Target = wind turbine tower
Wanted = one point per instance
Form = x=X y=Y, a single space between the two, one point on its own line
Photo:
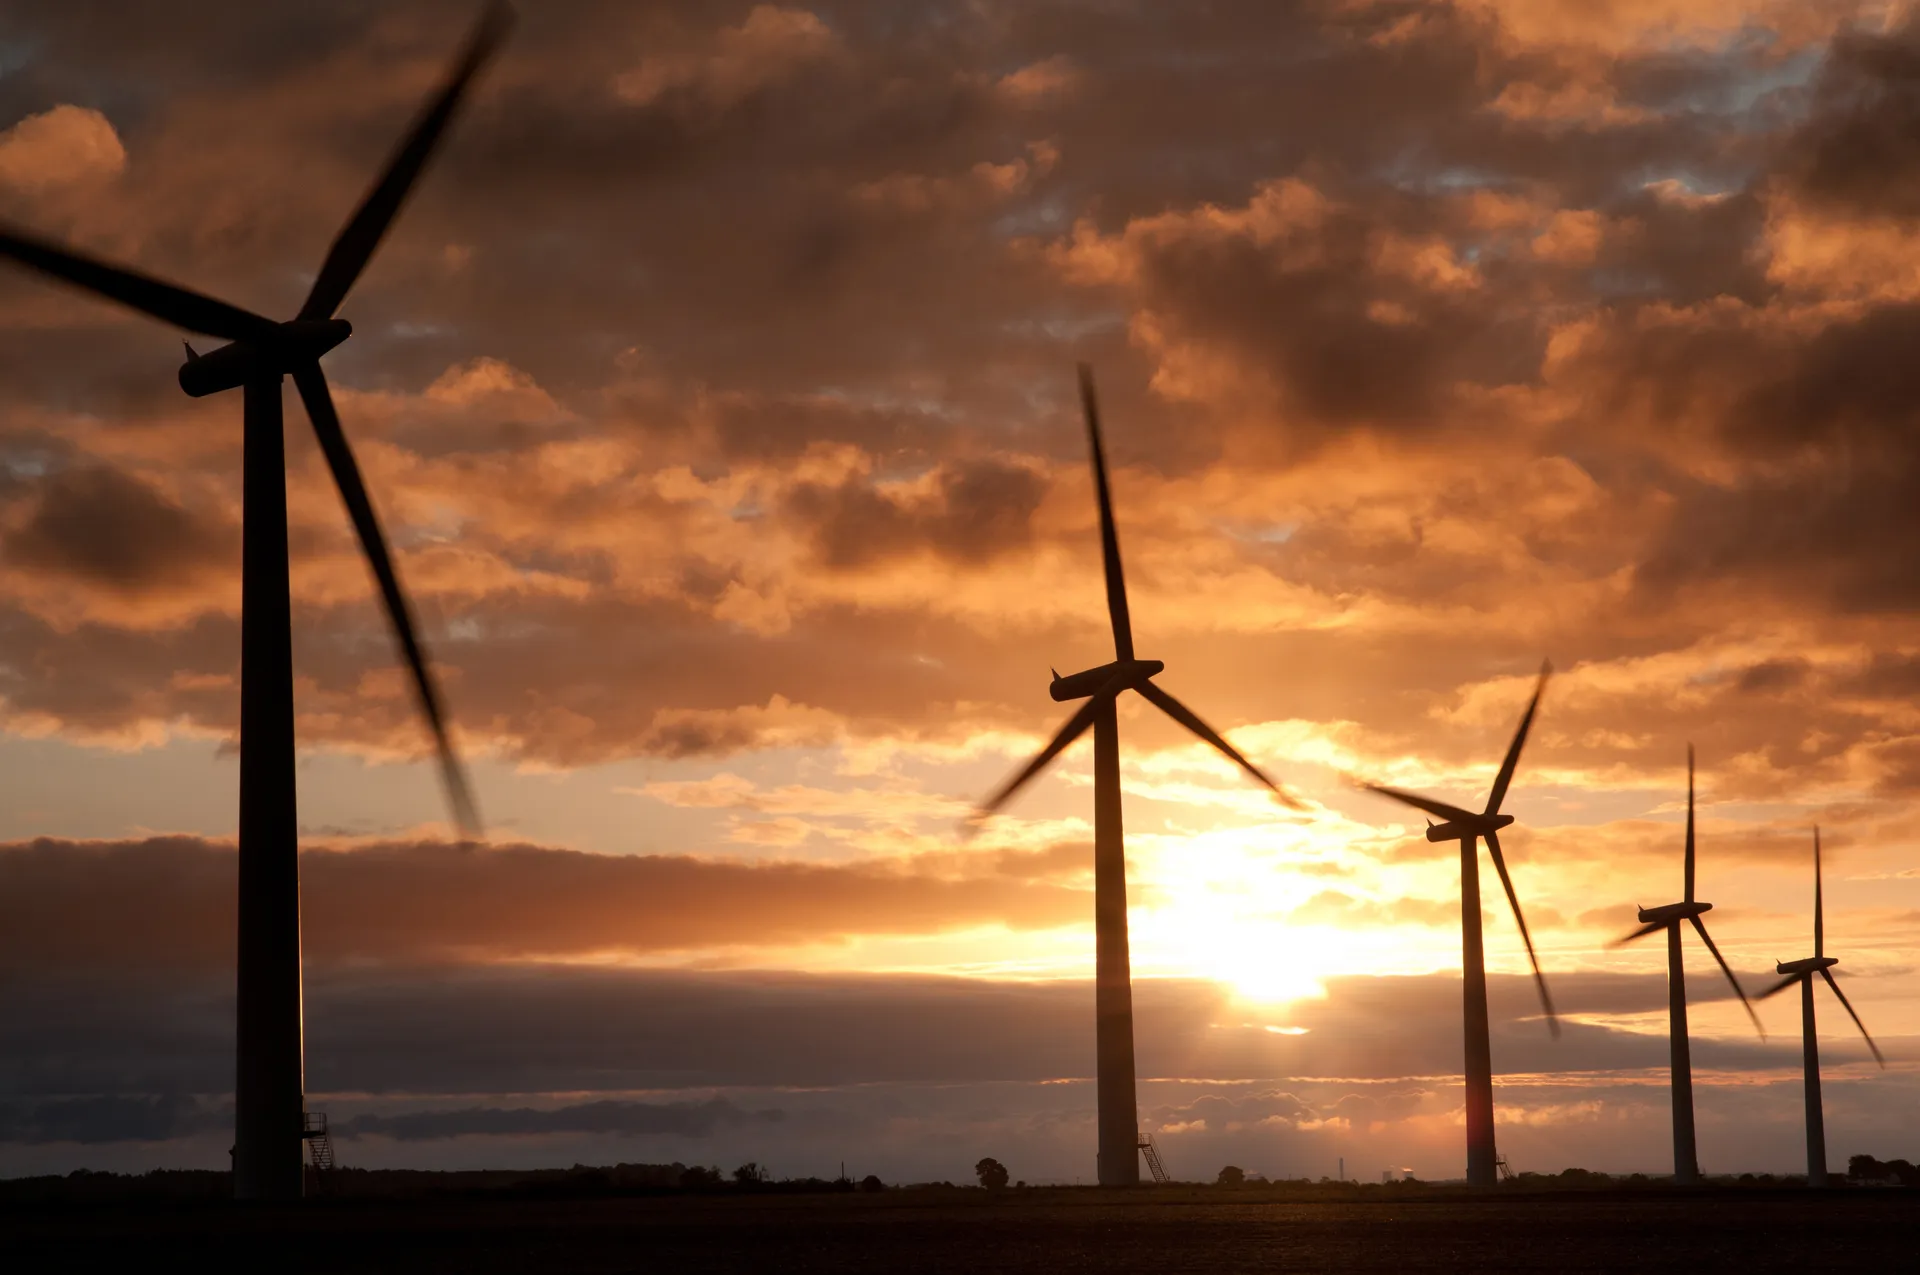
x=1466 y=827
x=1669 y=917
x=269 y=1080
x=1802 y=972
x=1101 y=687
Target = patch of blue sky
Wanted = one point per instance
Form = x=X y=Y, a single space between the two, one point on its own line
x=1612 y=281
x=15 y=55
x=883 y=399
x=1065 y=328
x=1414 y=170
x=1273 y=533
x=27 y=464
x=1694 y=182
x=1040 y=217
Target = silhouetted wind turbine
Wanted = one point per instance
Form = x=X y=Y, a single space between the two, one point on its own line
x=269 y=1097
x=1101 y=687
x=1466 y=827
x=1802 y=972
x=1686 y=1162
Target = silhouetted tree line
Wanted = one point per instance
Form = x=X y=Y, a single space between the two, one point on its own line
x=1864 y=1168
x=580 y=1181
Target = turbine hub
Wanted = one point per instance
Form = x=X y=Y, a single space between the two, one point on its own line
x=291 y=345
x=1673 y=912
x=1089 y=681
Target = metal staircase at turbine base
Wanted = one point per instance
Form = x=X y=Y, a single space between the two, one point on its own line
x=313 y=1131
x=1154 y=1166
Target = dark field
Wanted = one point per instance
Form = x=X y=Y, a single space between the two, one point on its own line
x=1043 y=1230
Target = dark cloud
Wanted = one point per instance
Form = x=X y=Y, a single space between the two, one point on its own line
x=112 y=1118
x=97 y=526
x=629 y=1119
x=169 y=902
x=1858 y=148
x=977 y=511
x=526 y=1029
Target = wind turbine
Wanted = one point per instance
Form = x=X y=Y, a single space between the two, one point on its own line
x=1802 y=972
x=269 y=1085
x=1686 y=1162
x=1466 y=827
x=1101 y=687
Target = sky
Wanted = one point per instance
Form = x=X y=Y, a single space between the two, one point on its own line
x=717 y=391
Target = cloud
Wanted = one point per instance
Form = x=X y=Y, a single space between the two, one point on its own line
x=769 y=45
x=628 y=1119
x=970 y=513
x=99 y=527
x=111 y=1118
x=68 y=145
x=171 y=900
x=716 y=390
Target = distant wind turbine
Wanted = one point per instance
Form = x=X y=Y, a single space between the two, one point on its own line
x=269 y=1088
x=1802 y=972
x=1686 y=1162
x=1467 y=827
x=1101 y=687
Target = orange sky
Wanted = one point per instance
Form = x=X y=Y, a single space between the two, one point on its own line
x=717 y=392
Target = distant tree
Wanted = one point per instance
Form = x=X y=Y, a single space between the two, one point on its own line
x=872 y=1182
x=1864 y=1168
x=1021 y=1185
x=993 y=1174
x=750 y=1174
x=697 y=1177
x=1232 y=1175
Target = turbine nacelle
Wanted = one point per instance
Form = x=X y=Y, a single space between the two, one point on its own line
x=1459 y=829
x=285 y=347
x=1806 y=965
x=1673 y=912
x=1088 y=682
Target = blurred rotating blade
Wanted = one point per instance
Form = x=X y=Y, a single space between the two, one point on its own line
x=1109 y=538
x=362 y=234
x=1513 y=900
x=168 y=302
x=1499 y=793
x=1452 y=814
x=1075 y=727
x=353 y=491
x=1689 y=894
x=1188 y=718
x=1779 y=987
x=1828 y=975
x=1727 y=969
x=1651 y=927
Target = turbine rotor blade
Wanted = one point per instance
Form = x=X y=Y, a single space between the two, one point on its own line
x=1651 y=927
x=1499 y=793
x=1819 y=908
x=168 y=302
x=1726 y=969
x=1109 y=538
x=1828 y=975
x=1075 y=727
x=1506 y=882
x=1188 y=718
x=1689 y=894
x=353 y=491
x=1778 y=987
x=1452 y=814
x=362 y=234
